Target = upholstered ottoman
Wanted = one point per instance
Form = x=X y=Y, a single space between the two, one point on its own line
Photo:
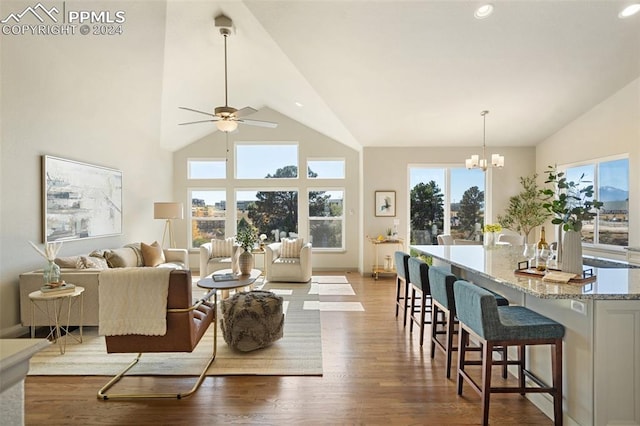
x=252 y=320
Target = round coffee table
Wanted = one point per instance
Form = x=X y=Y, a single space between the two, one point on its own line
x=242 y=281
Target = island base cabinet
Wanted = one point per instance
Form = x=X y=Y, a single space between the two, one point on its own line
x=617 y=343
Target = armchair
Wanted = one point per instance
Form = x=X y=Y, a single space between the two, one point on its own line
x=288 y=261
x=219 y=254
x=186 y=324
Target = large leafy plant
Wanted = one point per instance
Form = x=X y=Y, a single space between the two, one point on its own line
x=570 y=202
x=526 y=210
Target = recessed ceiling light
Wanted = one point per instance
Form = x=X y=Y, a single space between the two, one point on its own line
x=299 y=104
x=483 y=11
x=630 y=10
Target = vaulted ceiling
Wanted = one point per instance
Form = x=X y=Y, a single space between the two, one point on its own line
x=399 y=73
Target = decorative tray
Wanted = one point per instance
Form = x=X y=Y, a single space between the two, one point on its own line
x=524 y=270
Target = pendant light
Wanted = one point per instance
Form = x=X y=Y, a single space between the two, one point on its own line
x=475 y=162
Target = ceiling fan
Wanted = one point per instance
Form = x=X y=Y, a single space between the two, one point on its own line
x=226 y=117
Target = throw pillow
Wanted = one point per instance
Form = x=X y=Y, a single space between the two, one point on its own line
x=152 y=254
x=91 y=262
x=124 y=257
x=138 y=251
x=291 y=247
x=68 y=262
x=222 y=248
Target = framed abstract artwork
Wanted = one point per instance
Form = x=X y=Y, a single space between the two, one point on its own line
x=385 y=203
x=79 y=200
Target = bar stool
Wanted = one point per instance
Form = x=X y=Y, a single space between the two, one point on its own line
x=441 y=283
x=402 y=283
x=419 y=273
x=494 y=325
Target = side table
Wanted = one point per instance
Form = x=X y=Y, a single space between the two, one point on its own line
x=52 y=304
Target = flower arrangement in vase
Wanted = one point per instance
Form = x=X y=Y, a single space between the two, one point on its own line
x=490 y=230
x=571 y=204
x=247 y=238
x=51 y=273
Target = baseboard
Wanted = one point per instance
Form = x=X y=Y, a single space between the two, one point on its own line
x=13 y=332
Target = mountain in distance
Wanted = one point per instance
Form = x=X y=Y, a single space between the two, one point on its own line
x=610 y=193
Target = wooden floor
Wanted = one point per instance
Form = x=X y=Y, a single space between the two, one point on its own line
x=374 y=373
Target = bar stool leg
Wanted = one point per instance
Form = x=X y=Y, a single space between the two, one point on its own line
x=423 y=311
x=406 y=302
x=449 y=337
x=487 y=362
x=556 y=367
x=521 y=367
x=463 y=337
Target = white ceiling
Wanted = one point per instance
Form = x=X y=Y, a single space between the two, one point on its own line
x=400 y=73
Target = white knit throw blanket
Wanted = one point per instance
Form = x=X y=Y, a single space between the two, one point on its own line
x=133 y=301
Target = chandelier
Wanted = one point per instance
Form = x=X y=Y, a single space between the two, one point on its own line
x=475 y=162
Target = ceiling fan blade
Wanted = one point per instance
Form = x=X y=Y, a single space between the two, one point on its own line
x=194 y=122
x=199 y=112
x=245 y=111
x=258 y=123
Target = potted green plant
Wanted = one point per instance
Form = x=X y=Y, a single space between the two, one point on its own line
x=571 y=203
x=247 y=237
x=526 y=210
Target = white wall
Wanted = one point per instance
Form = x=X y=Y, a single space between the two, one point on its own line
x=610 y=128
x=86 y=98
x=311 y=145
x=387 y=169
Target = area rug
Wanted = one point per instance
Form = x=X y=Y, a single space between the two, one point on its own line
x=298 y=353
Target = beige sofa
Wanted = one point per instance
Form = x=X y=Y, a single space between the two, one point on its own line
x=129 y=256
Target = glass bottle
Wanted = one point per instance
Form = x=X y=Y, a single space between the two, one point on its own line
x=542 y=252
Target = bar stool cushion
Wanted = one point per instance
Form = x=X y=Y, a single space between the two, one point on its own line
x=402 y=264
x=441 y=282
x=477 y=308
x=419 y=273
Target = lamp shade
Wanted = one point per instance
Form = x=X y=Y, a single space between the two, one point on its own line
x=226 y=125
x=167 y=211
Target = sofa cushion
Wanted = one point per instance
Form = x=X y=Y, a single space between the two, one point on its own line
x=124 y=257
x=291 y=247
x=152 y=254
x=222 y=248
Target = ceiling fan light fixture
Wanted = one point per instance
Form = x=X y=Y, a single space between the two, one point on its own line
x=475 y=162
x=630 y=10
x=483 y=11
x=226 y=125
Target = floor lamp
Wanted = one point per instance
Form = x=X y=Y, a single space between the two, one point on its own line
x=168 y=211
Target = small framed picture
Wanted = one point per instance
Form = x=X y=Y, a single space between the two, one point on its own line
x=385 y=203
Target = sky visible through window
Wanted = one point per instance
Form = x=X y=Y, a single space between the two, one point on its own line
x=460 y=178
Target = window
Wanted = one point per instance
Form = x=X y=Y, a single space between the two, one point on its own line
x=272 y=212
x=206 y=169
x=266 y=161
x=610 y=180
x=445 y=201
x=208 y=212
x=326 y=219
x=325 y=169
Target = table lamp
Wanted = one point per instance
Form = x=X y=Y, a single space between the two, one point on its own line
x=168 y=211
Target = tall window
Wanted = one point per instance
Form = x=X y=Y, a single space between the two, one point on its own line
x=326 y=219
x=206 y=168
x=610 y=180
x=445 y=201
x=325 y=169
x=266 y=161
x=272 y=212
x=208 y=211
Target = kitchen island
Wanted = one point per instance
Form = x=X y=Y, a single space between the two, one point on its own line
x=602 y=321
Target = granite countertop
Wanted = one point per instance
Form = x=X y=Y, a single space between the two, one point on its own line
x=499 y=263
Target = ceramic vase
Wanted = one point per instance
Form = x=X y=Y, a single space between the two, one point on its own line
x=572 y=252
x=245 y=262
x=489 y=239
